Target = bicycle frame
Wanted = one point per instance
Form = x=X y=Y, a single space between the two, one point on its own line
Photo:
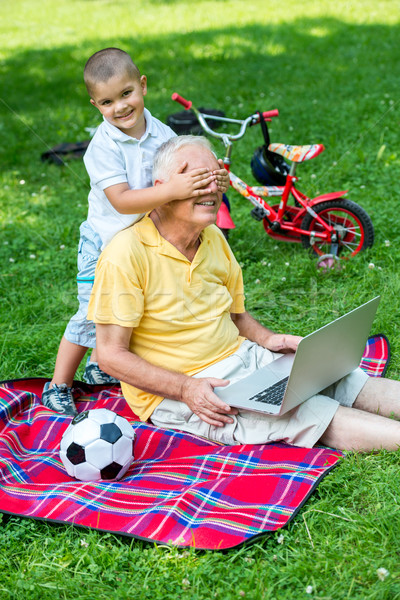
x=275 y=215
x=283 y=221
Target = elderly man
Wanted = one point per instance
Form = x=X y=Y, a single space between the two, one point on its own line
x=168 y=305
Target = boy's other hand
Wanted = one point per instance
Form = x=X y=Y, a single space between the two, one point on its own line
x=222 y=177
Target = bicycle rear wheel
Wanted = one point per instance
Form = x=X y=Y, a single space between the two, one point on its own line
x=351 y=222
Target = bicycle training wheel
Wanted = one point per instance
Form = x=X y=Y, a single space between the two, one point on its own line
x=352 y=223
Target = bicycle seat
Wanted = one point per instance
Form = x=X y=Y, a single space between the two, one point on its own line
x=297 y=153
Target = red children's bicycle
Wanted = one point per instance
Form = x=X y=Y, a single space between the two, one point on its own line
x=332 y=226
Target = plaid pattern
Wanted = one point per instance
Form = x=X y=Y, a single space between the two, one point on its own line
x=376 y=356
x=181 y=489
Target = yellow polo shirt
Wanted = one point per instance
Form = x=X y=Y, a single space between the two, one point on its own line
x=179 y=310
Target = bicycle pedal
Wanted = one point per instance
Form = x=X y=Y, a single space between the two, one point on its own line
x=258 y=213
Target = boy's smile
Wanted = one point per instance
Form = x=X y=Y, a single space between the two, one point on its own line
x=120 y=101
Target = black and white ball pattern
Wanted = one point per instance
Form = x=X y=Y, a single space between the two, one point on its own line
x=97 y=445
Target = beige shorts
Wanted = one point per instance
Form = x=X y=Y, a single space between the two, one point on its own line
x=302 y=426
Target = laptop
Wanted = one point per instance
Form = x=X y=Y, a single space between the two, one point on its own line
x=322 y=357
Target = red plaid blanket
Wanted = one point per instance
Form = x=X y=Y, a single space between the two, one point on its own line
x=181 y=489
x=376 y=355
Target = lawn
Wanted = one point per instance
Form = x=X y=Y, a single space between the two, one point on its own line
x=332 y=70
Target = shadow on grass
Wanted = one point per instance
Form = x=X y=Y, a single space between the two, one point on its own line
x=345 y=68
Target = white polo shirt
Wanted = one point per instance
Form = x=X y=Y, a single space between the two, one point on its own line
x=114 y=157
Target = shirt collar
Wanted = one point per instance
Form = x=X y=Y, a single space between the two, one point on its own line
x=119 y=136
x=150 y=236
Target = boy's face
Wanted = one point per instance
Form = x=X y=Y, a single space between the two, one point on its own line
x=120 y=101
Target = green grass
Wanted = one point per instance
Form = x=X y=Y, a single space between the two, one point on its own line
x=332 y=70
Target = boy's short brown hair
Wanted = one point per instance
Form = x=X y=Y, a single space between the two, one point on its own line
x=107 y=63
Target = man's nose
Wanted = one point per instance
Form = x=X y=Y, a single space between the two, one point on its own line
x=213 y=186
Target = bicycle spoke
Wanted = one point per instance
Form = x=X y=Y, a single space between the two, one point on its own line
x=348 y=224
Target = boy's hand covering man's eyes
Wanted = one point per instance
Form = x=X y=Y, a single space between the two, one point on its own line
x=222 y=177
x=193 y=183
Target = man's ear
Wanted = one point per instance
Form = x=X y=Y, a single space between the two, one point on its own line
x=92 y=102
x=158 y=182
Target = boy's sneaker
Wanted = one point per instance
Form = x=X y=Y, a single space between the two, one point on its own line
x=95 y=376
x=59 y=398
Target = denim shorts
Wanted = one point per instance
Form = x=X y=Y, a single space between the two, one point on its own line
x=301 y=426
x=79 y=330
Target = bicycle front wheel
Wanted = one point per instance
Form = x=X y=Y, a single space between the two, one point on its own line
x=352 y=225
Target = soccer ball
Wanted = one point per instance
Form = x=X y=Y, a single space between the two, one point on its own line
x=98 y=444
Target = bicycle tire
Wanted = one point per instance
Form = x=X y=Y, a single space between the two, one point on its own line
x=355 y=228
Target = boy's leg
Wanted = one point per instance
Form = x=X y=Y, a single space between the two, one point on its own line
x=69 y=357
x=57 y=394
x=80 y=333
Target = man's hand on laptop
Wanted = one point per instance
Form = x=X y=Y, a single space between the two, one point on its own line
x=283 y=343
x=198 y=394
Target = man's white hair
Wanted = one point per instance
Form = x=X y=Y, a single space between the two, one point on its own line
x=165 y=161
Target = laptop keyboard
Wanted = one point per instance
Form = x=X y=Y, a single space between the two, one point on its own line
x=273 y=394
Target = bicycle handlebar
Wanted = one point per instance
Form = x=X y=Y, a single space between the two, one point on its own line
x=269 y=114
x=250 y=121
x=187 y=104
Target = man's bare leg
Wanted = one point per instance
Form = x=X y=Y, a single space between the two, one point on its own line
x=352 y=429
x=380 y=396
x=368 y=426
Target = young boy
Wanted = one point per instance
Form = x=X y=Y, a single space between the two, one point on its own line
x=119 y=163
